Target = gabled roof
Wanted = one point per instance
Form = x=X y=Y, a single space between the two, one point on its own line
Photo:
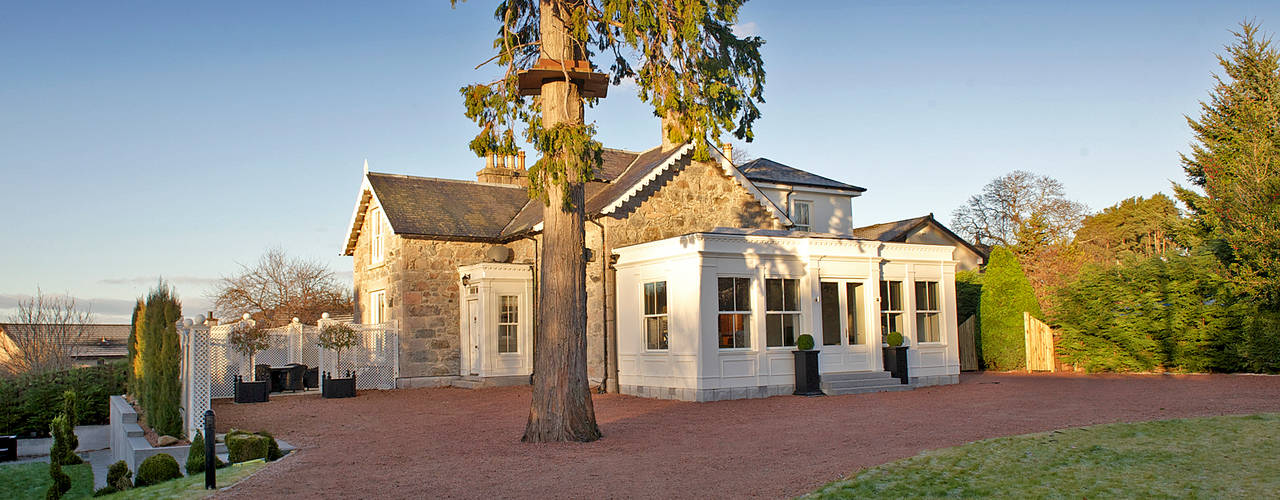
x=899 y=230
x=766 y=170
x=437 y=208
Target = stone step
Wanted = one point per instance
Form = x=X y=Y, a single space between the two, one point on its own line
x=874 y=388
x=870 y=375
x=849 y=384
x=468 y=383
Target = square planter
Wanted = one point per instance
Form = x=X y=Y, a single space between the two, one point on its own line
x=895 y=362
x=808 y=381
x=338 y=387
x=251 y=392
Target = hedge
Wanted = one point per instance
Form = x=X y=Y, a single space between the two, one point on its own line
x=31 y=401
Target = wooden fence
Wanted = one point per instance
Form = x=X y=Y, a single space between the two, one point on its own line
x=968 y=345
x=1039 y=340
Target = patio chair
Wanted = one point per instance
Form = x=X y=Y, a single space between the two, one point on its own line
x=262 y=373
x=312 y=379
x=294 y=377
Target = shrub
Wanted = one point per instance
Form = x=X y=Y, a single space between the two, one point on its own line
x=805 y=342
x=195 y=458
x=1006 y=294
x=61 y=451
x=244 y=446
x=60 y=481
x=337 y=337
x=119 y=476
x=157 y=469
x=69 y=409
x=37 y=398
x=894 y=339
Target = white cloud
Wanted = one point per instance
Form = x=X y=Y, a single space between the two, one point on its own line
x=152 y=280
x=742 y=30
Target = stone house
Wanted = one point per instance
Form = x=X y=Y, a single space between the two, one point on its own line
x=454 y=264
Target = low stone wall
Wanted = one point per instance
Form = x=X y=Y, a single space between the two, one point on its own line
x=128 y=442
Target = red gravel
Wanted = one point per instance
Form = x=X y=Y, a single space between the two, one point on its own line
x=451 y=442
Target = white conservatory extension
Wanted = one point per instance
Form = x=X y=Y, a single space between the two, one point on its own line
x=715 y=315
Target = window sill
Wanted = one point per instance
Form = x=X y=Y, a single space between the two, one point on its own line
x=375 y=265
x=736 y=350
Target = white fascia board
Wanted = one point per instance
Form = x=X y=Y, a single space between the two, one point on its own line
x=367 y=195
x=640 y=185
x=732 y=171
x=808 y=189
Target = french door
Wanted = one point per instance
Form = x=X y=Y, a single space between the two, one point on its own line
x=845 y=339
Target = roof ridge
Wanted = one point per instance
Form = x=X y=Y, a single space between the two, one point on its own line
x=439 y=179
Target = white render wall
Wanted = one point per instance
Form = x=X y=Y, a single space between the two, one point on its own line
x=485 y=284
x=695 y=368
x=831 y=211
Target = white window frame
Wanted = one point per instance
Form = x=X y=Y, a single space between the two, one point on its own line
x=737 y=311
x=662 y=313
x=796 y=314
x=808 y=215
x=377 y=249
x=377 y=306
x=512 y=323
x=887 y=309
x=923 y=311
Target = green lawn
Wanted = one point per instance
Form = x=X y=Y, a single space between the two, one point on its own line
x=1219 y=457
x=193 y=486
x=30 y=480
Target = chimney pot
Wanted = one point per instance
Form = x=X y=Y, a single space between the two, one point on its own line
x=728 y=151
x=488 y=161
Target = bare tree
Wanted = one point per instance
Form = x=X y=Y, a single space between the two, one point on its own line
x=740 y=155
x=279 y=288
x=44 y=334
x=1020 y=210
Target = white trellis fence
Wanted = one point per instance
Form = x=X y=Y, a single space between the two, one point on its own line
x=210 y=363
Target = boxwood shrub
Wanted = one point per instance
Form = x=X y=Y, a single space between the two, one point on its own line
x=39 y=397
x=244 y=446
x=157 y=469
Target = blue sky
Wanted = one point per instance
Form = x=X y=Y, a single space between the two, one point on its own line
x=147 y=139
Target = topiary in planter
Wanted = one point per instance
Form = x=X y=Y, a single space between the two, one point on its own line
x=337 y=337
x=157 y=469
x=244 y=446
x=805 y=342
x=119 y=476
x=894 y=339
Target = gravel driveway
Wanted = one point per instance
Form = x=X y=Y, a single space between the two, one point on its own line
x=450 y=442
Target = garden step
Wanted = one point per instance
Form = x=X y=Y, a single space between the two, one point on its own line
x=843 y=376
x=468 y=383
x=874 y=388
x=849 y=384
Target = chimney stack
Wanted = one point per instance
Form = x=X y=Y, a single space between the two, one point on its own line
x=728 y=151
x=503 y=170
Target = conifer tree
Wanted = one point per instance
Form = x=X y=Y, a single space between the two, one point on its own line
x=69 y=409
x=1236 y=161
x=61 y=482
x=1006 y=294
x=699 y=77
x=135 y=349
x=161 y=360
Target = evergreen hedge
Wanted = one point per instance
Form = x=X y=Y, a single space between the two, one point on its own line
x=1006 y=294
x=160 y=391
x=32 y=400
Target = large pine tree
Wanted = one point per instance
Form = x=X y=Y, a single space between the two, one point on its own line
x=1235 y=160
x=700 y=78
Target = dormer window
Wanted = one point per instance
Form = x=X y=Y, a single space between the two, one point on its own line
x=800 y=215
x=375 y=235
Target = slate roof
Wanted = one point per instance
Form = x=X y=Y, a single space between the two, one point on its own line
x=615 y=161
x=766 y=170
x=897 y=231
x=425 y=206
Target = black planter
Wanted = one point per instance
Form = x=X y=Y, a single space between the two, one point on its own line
x=338 y=387
x=808 y=381
x=251 y=392
x=895 y=362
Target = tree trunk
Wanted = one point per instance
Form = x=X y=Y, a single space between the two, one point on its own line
x=561 y=409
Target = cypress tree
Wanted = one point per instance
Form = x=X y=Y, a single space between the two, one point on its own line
x=69 y=409
x=1006 y=294
x=135 y=349
x=161 y=360
x=61 y=482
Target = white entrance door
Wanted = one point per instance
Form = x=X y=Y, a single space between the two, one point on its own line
x=844 y=341
x=474 y=333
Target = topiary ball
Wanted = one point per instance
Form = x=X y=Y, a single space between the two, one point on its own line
x=119 y=476
x=805 y=342
x=894 y=339
x=157 y=469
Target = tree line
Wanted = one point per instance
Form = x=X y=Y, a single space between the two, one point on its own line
x=1145 y=285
